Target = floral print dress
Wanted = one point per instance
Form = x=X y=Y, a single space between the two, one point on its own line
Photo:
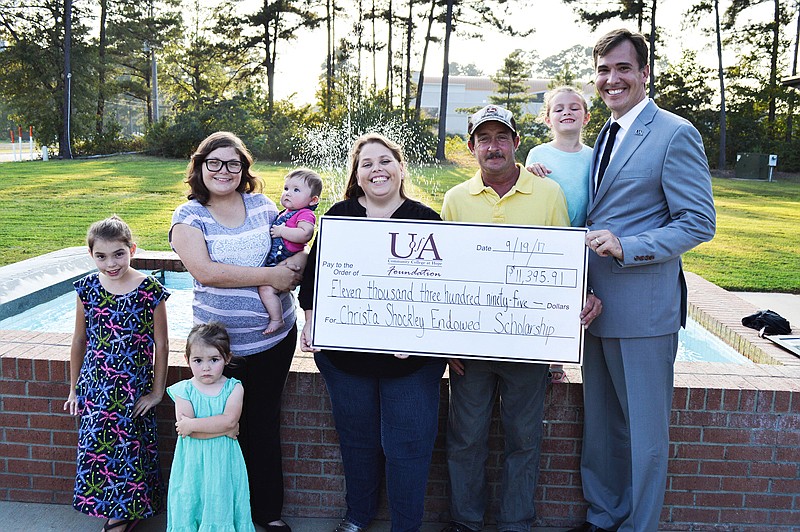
x=119 y=474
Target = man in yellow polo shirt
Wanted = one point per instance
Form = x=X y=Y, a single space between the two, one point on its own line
x=502 y=192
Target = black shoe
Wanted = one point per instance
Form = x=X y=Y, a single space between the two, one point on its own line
x=588 y=527
x=457 y=527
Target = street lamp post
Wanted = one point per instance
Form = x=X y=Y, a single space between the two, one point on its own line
x=65 y=150
x=154 y=67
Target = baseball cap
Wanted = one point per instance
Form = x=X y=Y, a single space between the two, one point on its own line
x=491 y=112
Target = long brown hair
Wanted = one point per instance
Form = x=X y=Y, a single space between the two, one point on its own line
x=353 y=190
x=194 y=171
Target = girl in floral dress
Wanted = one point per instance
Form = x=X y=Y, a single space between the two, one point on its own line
x=118 y=372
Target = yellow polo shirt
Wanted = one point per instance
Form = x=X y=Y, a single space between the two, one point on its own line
x=531 y=201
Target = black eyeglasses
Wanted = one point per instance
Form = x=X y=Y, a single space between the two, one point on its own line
x=215 y=165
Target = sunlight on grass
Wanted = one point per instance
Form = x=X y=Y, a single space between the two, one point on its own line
x=48 y=206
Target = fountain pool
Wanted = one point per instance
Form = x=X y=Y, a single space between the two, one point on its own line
x=57 y=315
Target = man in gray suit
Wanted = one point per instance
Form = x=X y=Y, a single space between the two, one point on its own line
x=650 y=201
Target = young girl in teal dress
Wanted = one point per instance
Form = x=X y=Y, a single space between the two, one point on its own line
x=565 y=159
x=208 y=487
x=118 y=370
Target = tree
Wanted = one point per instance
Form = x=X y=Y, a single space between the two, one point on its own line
x=102 y=68
x=626 y=10
x=510 y=79
x=440 y=142
x=761 y=38
x=564 y=77
x=136 y=31
x=32 y=69
x=331 y=11
x=576 y=60
x=274 y=23
x=374 y=47
x=457 y=69
x=200 y=68
x=65 y=142
x=421 y=79
x=694 y=16
x=793 y=95
x=388 y=15
x=407 y=82
x=723 y=120
x=341 y=91
x=472 y=17
x=684 y=90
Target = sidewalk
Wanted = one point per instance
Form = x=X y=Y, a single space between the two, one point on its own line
x=30 y=517
x=787 y=305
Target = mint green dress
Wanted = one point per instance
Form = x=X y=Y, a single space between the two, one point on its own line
x=208 y=490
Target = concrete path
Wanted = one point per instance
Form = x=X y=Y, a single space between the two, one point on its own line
x=787 y=305
x=30 y=517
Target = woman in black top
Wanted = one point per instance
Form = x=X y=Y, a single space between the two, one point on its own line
x=385 y=407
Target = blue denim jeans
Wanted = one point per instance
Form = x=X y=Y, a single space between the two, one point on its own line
x=385 y=424
x=522 y=391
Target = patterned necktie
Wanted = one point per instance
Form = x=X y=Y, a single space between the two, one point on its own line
x=612 y=136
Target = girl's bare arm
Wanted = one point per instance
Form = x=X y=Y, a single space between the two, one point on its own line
x=76 y=354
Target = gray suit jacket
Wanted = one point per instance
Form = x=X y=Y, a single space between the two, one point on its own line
x=656 y=197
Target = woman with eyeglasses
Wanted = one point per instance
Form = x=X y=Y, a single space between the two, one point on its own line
x=222 y=236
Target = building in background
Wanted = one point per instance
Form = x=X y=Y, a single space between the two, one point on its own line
x=474 y=91
x=791 y=81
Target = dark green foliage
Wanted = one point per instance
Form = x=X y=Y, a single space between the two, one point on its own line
x=683 y=89
x=532 y=132
x=512 y=91
x=32 y=68
x=278 y=142
x=217 y=72
x=599 y=116
x=291 y=133
x=134 y=30
x=180 y=137
x=5 y=122
x=577 y=61
x=108 y=142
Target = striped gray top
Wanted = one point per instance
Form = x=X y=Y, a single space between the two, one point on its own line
x=239 y=309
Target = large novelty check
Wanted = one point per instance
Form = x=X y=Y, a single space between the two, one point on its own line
x=500 y=292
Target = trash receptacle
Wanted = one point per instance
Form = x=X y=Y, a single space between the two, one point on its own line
x=752 y=166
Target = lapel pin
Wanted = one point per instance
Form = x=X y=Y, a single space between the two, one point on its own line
x=639 y=132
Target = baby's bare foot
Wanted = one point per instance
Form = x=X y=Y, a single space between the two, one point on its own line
x=274 y=325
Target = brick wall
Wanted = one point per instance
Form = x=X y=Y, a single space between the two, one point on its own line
x=735 y=446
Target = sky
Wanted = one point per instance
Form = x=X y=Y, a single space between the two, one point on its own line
x=300 y=62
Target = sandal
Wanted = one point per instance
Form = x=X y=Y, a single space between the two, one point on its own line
x=128 y=524
x=557 y=376
x=279 y=525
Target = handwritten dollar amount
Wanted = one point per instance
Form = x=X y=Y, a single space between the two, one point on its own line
x=530 y=275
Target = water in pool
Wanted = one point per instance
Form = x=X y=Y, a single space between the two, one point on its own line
x=696 y=343
x=58 y=315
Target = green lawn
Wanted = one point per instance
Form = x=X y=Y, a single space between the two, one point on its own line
x=48 y=206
